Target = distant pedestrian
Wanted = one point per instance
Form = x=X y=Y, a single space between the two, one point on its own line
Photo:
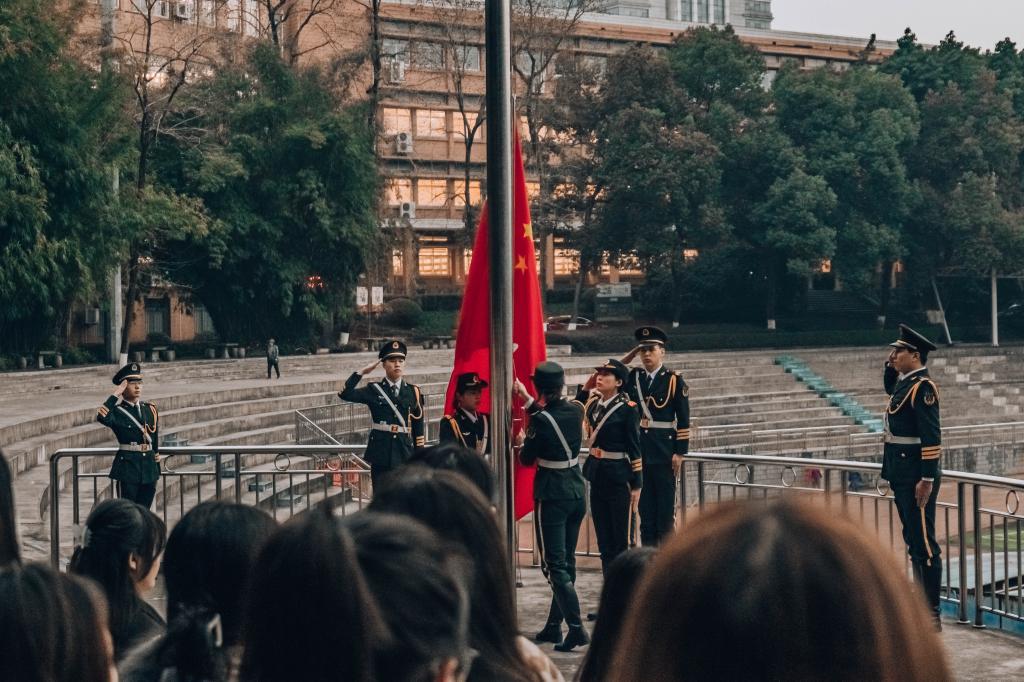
x=272 y=355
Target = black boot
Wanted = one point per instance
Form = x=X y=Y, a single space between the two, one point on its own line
x=931 y=580
x=577 y=637
x=552 y=632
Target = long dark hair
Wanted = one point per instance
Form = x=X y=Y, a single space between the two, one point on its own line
x=115 y=530
x=419 y=582
x=9 y=550
x=455 y=457
x=310 y=615
x=450 y=505
x=207 y=566
x=54 y=627
x=617 y=596
x=805 y=593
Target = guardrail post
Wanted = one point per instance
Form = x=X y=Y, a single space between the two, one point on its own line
x=826 y=481
x=682 y=489
x=844 y=483
x=961 y=522
x=700 y=485
x=979 y=573
x=54 y=513
x=218 y=463
x=238 y=476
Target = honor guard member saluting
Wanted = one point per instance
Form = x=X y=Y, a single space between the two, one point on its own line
x=396 y=410
x=612 y=424
x=664 y=402
x=553 y=441
x=911 y=458
x=135 y=424
x=466 y=426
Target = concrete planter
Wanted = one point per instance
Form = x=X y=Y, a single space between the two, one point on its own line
x=167 y=355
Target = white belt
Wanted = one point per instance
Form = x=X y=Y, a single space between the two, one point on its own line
x=651 y=424
x=902 y=440
x=558 y=464
x=133 y=447
x=607 y=455
x=391 y=428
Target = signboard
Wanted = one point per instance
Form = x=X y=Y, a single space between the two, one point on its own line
x=377 y=296
x=618 y=290
x=362 y=297
x=614 y=302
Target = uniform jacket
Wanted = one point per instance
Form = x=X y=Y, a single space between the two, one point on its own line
x=460 y=428
x=542 y=443
x=619 y=433
x=667 y=399
x=383 y=448
x=129 y=466
x=912 y=412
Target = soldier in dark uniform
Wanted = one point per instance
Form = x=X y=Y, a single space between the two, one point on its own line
x=911 y=459
x=396 y=410
x=663 y=399
x=465 y=425
x=614 y=466
x=553 y=443
x=135 y=424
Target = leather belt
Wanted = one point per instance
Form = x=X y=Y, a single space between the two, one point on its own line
x=902 y=440
x=134 y=447
x=606 y=455
x=651 y=424
x=558 y=464
x=391 y=428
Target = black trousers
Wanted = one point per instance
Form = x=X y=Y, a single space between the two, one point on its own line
x=379 y=472
x=557 y=525
x=919 y=535
x=273 y=364
x=609 y=506
x=657 y=502
x=140 y=493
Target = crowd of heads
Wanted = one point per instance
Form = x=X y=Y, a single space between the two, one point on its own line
x=419 y=587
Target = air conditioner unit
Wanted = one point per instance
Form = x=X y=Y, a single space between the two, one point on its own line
x=408 y=209
x=396 y=71
x=183 y=9
x=403 y=142
x=92 y=315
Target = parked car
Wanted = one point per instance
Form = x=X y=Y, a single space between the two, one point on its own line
x=562 y=322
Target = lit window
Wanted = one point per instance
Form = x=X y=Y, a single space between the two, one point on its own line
x=397 y=263
x=690 y=255
x=532 y=190
x=434 y=262
x=399 y=190
x=430 y=123
x=428 y=56
x=397 y=120
x=467 y=259
x=459 y=193
x=567 y=262
x=629 y=266
x=825 y=267
x=431 y=191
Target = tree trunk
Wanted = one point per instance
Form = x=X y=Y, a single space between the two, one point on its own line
x=885 y=292
x=771 y=294
x=131 y=293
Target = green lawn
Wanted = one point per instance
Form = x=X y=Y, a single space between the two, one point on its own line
x=987 y=540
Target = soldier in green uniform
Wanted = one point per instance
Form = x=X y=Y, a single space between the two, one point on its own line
x=553 y=443
x=135 y=424
x=396 y=410
x=466 y=425
x=614 y=466
x=664 y=402
x=911 y=458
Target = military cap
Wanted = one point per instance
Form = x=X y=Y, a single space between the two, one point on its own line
x=392 y=349
x=469 y=381
x=913 y=341
x=615 y=367
x=130 y=372
x=548 y=375
x=649 y=336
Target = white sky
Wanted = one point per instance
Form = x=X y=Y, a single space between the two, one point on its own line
x=980 y=23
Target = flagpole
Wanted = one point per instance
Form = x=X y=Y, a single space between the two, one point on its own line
x=497 y=19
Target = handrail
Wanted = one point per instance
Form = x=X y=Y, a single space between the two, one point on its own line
x=299 y=415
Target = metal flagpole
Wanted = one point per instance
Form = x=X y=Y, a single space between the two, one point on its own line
x=497 y=19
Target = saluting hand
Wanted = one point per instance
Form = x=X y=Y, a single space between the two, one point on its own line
x=628 y=357
x=369 y=368
x=119 y=391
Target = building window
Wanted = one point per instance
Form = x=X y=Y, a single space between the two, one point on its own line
x=397 y=120
x=459 y=193
x=532 y=190
x=431 y=191
x=428 y=56
x=204 y=323
x=233 y=14
x=703 y=16
x=252 y=18
x=719 y=12
x=208 y=13
x=567 y=262
x=467 y=259
x=397 y=263
x=690 y=255
x=396 y=50
x=399 y=191
x=468 y=57
x=686 y=10
x=434 y=262
x=158 y=316
x=430 y=123
x=460 y=125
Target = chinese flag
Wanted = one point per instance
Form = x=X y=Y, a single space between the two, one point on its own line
x=473 y=341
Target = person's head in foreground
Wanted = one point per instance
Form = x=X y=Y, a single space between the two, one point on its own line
x=787 y=592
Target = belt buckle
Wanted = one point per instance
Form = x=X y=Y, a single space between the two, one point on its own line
x=597 y=453
x=645 y=423
x=394 y=428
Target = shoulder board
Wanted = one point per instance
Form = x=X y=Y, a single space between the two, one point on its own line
x=631 y=403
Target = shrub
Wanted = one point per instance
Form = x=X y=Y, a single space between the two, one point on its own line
x=403 y=312
x=158 y=339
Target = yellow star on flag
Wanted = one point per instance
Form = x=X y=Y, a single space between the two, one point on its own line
x=521 y=263
x=528 y=230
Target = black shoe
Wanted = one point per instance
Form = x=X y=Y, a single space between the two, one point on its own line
x=592 y=616
x=577 y=637
x=552 y=632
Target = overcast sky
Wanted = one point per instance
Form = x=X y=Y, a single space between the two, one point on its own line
x=981 y=23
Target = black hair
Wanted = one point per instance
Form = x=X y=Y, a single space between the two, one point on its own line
x=210 y=557
x=617 y=596
x=115 y=530
x=54 y=627
x=419 y=583
x=9 y=549
x=310 y=615
x=550 y=393
x=449 y=504
x=458 y=458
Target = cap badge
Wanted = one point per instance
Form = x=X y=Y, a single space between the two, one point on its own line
x=646 y=332
x=395 y=344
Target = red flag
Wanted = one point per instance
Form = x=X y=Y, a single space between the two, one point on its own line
x=473 y=341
